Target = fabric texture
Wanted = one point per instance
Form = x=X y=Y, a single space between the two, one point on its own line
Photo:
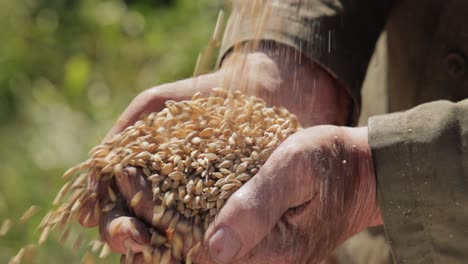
x=421 y=160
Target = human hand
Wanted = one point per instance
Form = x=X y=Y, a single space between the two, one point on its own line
x=263 y=76
x=316 y=190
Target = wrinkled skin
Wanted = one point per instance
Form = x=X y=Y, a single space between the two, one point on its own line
x=302 y=203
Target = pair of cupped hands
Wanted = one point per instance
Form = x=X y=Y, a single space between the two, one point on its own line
x=317 y=189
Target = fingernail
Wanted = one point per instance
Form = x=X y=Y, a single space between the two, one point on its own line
x=224 y=245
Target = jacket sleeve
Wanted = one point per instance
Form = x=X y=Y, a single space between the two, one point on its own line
x=421 y=162
x=338 y=34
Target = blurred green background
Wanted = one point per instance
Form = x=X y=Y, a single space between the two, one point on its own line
x=67 y=69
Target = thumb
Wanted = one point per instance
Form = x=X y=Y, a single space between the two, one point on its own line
x=251 y=212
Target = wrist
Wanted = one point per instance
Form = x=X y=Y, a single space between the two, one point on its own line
x=283 y=76
x=368 y=203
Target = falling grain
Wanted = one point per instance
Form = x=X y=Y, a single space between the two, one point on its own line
x=194 y=154
x=44 y=234
x=29 y=213
x=105 y=252
x=5 y=227
x=18 y=258
x=136 y=199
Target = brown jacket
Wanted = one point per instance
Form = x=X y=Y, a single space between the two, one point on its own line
x=421 y=155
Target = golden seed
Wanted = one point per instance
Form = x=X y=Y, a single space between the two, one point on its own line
x=177 y=176
x=156 y=158
x=136 y=199
x=224 y=195
x=71 y=171
x=146 y=172
x=197 y=140
x=230 y=156
x=95 y=245
x=166 y=257
x=29 y=213
x=105 y=252
x=220 y=182
x=118 y=170
x=169 y=199
x=236 y=183
x=225 y=164
x=225 y=171
x=158 y=213
x=44 y=235
x=61 y=193
x=227 y=187
x=195 y=154
x=112 y=195
x=174 y=221
x=211 y=156
x=18 y=258
x=217 y=175
x=167 y=217
x=177 y=247
x=199 y=188
x=207 y=132
x=210 y=183
x=183 y=227
x=5 y=227
x=167 y=183
x=196 y=96
x=187 y=198
x=144 y=154
x=167 y=168
x=243 y=177
x=219 y=204
x=76 y=206
x=264 y=154
x=64 y=236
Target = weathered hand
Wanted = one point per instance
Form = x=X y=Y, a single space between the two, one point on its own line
x=316 y=190
x=127 y=228
x=306 y=90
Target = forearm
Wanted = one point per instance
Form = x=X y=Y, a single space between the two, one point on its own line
x=335 y=34
x=288 y=78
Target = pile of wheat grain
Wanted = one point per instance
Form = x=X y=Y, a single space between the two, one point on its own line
x=195 y=154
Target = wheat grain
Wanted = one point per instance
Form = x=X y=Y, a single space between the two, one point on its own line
x=195 y=154
x=5 y=227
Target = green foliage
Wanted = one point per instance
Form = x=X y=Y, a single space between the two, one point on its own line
x=67 y=69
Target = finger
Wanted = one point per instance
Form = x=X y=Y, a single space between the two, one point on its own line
x=297 y=238
x=137 y=191
x=87 y=216
x=153 y=99
x=291 y=240
x=122 y=232
x=252 y=211
x=89 y=213
x=166 y=222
